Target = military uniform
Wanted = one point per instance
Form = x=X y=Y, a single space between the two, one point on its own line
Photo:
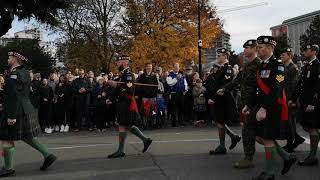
x=127 y=110
x=223 y=110
x=19 y=120
x=271 y=96
x=247 y=81
x=17 y=105
x=272 y=117
x=308 y=90
x=290 y=82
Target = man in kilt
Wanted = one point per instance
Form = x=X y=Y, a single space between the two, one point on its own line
x=19 y=120
x=307 y=91
x=126 y=108
x=272 y=116
x=225 y=110
x=247 y=81
x=290 y=83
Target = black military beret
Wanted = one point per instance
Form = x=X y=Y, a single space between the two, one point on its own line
x=267 y=40
x=250 y=43
x=223 y=50
x=287 y=50
x=18 y=54
x=124 y=57
x=313 y=47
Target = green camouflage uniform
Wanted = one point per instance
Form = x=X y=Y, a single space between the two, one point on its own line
x=247 y=81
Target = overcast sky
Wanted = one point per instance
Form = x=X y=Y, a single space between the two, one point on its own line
x=250 y=23
x=247 y=23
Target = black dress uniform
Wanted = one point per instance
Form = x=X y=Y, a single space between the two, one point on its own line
x=225 y=111
x=271 y=96
x=307 y=91
x=17 y=105
x=127 y=110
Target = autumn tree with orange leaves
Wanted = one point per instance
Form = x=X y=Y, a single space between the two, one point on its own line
x=165 y=31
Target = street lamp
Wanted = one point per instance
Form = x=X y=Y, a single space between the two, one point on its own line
x=199 y=38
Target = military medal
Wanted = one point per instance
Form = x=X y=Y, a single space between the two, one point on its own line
x=265 y=73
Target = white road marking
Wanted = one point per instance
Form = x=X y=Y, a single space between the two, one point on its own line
x=112 y=144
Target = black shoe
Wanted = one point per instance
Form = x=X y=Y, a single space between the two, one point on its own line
x=218 y=151
x=288 y=163
x=146 y=145
x=264 y=176
x=234 y=142
x=7 y=173
x=288 y=148
x=297 y=142
x=48 y=162
x=117 y=155
x=309 y=161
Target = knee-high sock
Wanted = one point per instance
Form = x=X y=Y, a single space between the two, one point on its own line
x=314 y=141
x=282 y=153
x=8 y=157
x=135 y=130
x=270 y=160
x=222 y=136
x=122 y=141
x=34 y=142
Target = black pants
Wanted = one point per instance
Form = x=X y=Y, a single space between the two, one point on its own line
x=110 y=113
x=45 y=115
x=177 y=102
x=100 y=117
x=81 y=110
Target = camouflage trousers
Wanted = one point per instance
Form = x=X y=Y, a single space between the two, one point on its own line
x=249 y=140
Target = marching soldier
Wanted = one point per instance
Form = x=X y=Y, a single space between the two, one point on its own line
x=307 y=91
x=272 y=115
x=247 y=81
x=291 y=80
x=19 y=121
x=224 y=106
x=127 y=110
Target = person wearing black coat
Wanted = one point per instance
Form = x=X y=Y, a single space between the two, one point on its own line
x=61 y=110
x=81 y=88
x=99 y=104
x=45 y=110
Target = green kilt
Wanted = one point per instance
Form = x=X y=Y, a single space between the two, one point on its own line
x=125 y=117
x=273 y=127
x=26 y=127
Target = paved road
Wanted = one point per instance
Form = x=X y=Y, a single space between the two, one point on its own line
x=176 y=154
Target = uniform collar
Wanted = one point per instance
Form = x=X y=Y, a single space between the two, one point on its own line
x=315 y=58
x=266 y=61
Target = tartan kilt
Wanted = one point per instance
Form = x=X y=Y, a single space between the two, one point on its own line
x=225 y=111
x=125 y=117
x=26 y=127
x=273 y=127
